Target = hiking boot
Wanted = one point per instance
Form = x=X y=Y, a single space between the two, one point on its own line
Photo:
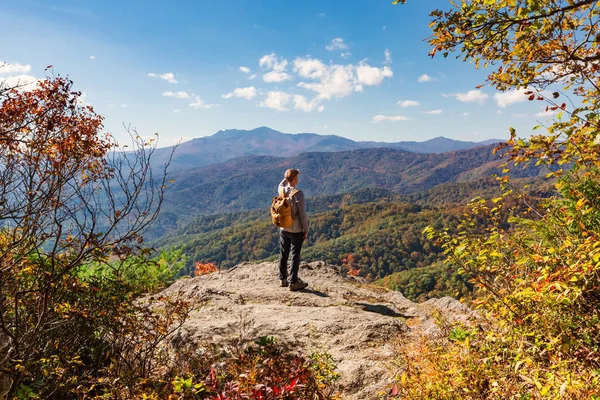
x=298 y=285
x=284 y=283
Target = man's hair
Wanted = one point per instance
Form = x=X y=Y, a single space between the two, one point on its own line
x=290 y=174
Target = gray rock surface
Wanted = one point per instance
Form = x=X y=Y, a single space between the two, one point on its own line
x=354 y=322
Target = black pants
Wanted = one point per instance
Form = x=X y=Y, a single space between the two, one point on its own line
x=289 y=241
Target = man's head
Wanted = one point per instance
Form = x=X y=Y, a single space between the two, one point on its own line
x=291 y=175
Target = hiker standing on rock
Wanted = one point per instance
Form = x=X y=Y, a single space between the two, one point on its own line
x=291 y=238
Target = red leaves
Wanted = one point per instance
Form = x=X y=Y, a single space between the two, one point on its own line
x=205 y=268
x=47 y=126
x=291 y=385
x=348 y=263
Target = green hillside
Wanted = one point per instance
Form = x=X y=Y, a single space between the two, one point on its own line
x=384 y=236
x=248 y=183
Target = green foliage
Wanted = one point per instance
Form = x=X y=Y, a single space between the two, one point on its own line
x=59 y=211
x=265 y=369
x=98 y=331
x=536 y=265
x=142 y=274
x=249 y=183
x=381 y=228
x=485 y=362
x=433 y=281
x=384 y=237
x=72 y=268
x=537 y=281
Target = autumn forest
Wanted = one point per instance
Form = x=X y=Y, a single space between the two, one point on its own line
x=92 y=231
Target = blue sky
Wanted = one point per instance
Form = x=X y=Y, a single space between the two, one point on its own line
x=185 y=69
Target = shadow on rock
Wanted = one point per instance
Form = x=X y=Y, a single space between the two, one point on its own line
x=381 y=309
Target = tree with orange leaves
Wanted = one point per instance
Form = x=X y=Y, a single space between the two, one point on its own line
x=205 y=268
x=348 y=264
x=69 y=197
x=536 y=267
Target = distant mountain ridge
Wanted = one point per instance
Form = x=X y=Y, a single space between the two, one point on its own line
x=231 y=143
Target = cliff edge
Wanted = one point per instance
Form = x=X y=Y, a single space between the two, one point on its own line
x=356 y=323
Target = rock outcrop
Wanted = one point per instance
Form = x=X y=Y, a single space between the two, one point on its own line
x=354 y=322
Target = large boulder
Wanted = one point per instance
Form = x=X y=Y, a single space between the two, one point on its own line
x=358 y=324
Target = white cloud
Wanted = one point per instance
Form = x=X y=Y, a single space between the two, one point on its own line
x=472 y=96
x=276 y=101
x=345 y=55
x=309 y=68
x=321 y=15
x=388 y=56
x=275 y=76
x=424 y=78
x=301 y=103
x=177 y=111
x=272 y=62
x=245 y=70
x=432 y=112
x=199 y=103
x=372 y=76
x=245 y=93
x=178 y=95
x=408 y=103
x=6 y=68
x=393 y=118
x=278 y=67
x=124 y=106
x=92 y=57
x=21 y=82
x=505 y=99
x=337 y=81
x=337 y=43
x=252 y=76
x=168 y=76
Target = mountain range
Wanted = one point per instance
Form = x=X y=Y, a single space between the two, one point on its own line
x=231 y=143
x=246 y=183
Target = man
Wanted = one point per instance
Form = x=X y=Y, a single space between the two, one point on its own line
x=290 y=239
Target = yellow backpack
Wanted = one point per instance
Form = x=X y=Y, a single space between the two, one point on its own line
x=281 y=210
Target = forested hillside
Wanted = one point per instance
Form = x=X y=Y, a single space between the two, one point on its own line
x=248 y=183
x=380 y=230
x=384 y=237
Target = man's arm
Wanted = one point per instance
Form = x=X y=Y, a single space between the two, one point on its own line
x=302 y=212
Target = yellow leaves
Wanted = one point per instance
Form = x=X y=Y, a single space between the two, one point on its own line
x=581 y=203
x=518 y=365
x=496 y=254
x=460 y=249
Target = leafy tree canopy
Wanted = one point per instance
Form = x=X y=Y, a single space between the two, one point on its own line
x=537 y=269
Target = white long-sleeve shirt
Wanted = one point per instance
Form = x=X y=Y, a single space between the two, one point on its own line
x=298 y=208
